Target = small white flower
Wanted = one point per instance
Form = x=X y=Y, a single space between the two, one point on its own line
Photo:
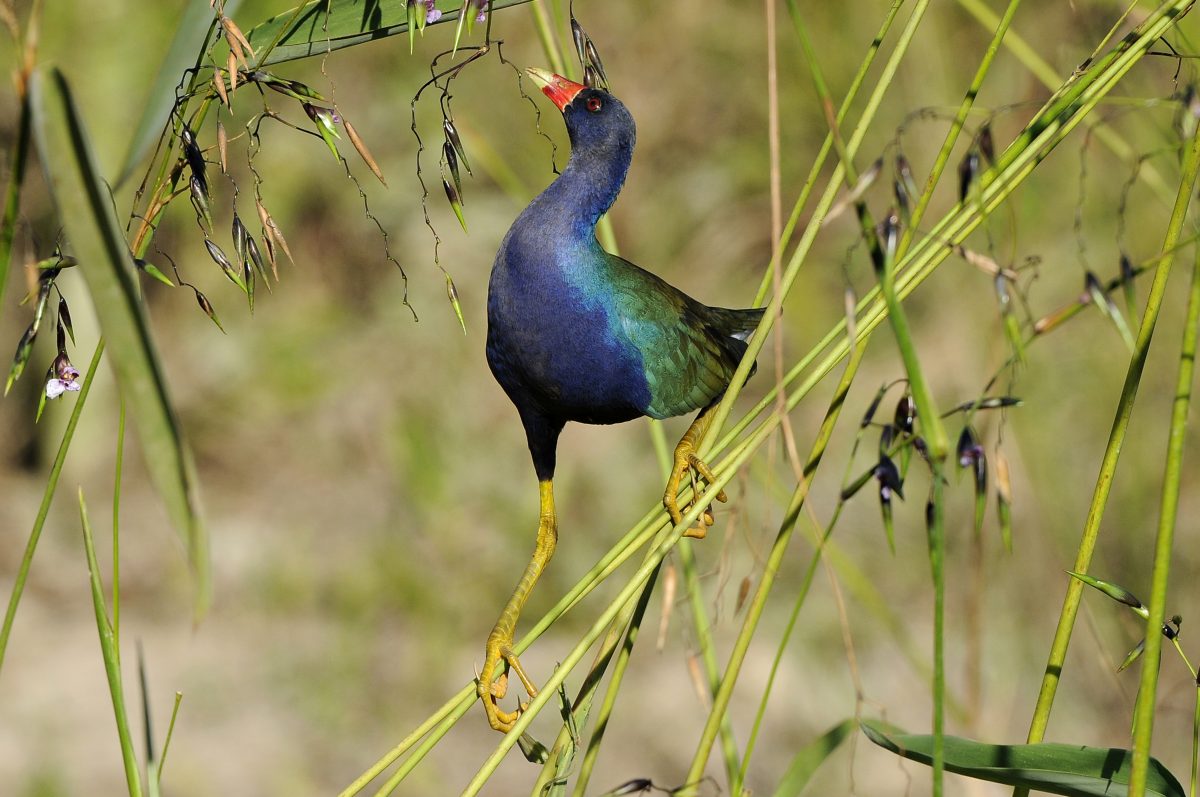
x=56 y=387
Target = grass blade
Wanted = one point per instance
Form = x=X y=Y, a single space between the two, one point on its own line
x=1053 y=768
x=91 y=227
x=112 y=657
x=809 y=758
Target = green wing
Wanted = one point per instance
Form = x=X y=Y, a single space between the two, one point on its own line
x=689 y=350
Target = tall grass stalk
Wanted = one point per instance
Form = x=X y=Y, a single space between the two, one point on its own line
x=1112 y=452
x=1143 y=718
x=35 y=534
x=112 y=659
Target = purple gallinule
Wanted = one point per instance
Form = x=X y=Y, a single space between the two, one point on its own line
x=578 y=334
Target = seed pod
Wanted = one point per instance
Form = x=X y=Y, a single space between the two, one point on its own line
x=670 y=582
x=452 y=136
x=889 y=478
x=988 y=403
x=906 y=413
x=151 y=269
x=635 y=786
x=219 y=85
x=248 y=283
x=452 y=295
x=591 y=78
x=272 y=235
x=579 y=37
x=221 y=260
x=194 y=158
x=968 y=169
x=1004 y=501
x=1133 y=656
x=326 y=122
x=1128 y=275
x=200 y=200
x=987 y=147
x=223 y=147
x=64 y=318
x=534 y=751
x=361 y=148
x=743 y=593
x=593 y=58
x=239 y=238
x=231 y=68
x=455 y=202
x=849 y=305
x=968 y=447
x=1114 y=591
x=21 y=358
x=257 y=259
x=452 y=164
x=207 y=307
x=889 y=234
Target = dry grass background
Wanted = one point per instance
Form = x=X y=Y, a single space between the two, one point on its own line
x=367 y=483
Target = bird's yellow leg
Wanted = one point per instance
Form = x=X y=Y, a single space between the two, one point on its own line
x=499 y=651
x=687 y=463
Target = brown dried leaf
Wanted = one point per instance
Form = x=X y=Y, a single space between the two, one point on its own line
x=363 y=152
x=984 y=263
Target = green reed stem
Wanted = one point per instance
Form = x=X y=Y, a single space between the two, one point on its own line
x=112 y=659
x=1143 y=715
x=774 y=560
x=39 y=522
x=1112 y=452
x=116 y=525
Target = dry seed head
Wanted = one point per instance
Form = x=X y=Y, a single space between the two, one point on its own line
x=219 y=85
x=987 y=147
x=223 y=147
x=578 y=36
x=743 y=593
x=1003 y=484
x=593 y=58
x=362 y=150
x=670 y=580
x=244 y=43
x=231 y=67
x=968 y=170
x=906 y=413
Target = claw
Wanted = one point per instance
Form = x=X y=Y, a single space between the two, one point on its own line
x=490 y=692
x=687 y=463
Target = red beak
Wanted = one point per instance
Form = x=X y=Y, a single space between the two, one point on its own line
x=560 y=90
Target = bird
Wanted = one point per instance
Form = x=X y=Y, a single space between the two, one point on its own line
x=577 y=334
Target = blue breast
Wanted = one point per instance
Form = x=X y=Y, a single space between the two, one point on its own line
x=552 y=341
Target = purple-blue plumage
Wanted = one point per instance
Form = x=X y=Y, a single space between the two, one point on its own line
x=578 y=334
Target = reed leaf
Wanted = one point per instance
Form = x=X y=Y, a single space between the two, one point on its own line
x=90 y=224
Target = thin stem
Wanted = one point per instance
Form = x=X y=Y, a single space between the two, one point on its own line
x=39 y=522
x=1143 y=715
x=116 y=525
x=112 y=661
x=1112 y=452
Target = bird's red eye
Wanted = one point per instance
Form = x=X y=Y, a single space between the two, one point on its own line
x=594 y=104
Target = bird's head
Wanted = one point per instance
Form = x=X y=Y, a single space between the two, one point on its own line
x=596 y=121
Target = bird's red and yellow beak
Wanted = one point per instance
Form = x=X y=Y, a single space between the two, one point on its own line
x=560 y=90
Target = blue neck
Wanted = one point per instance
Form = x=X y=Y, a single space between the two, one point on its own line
x=584 y=191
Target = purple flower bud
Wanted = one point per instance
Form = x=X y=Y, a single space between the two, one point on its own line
x=64 y=370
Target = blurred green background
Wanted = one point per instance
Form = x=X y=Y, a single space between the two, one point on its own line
x=367 y=484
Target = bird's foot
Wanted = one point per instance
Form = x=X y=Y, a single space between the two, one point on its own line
x=688 y=464
x=500 y=654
